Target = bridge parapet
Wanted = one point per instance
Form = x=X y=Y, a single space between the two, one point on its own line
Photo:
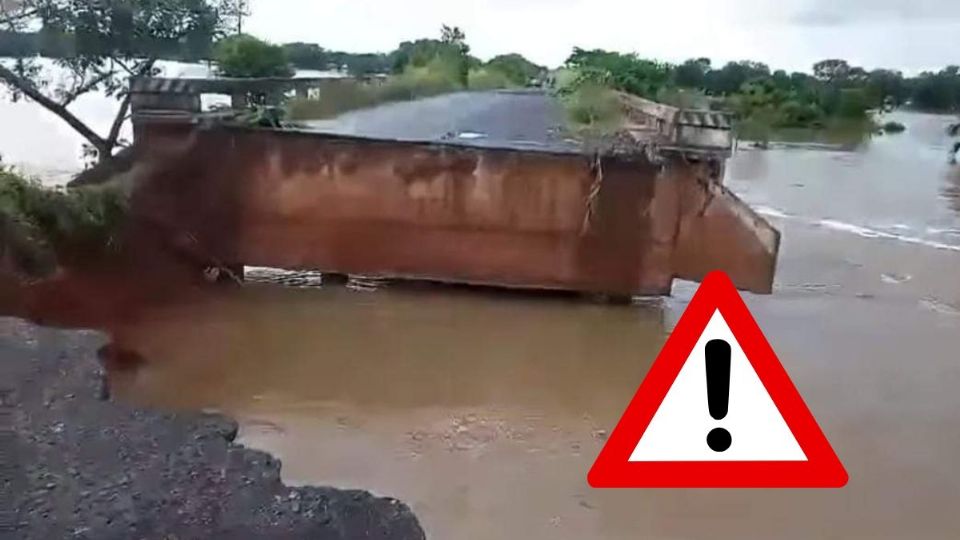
x=166 y=100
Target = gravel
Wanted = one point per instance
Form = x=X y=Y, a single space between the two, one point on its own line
x=75 y=465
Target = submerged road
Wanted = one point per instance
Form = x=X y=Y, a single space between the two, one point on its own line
x=521 y=119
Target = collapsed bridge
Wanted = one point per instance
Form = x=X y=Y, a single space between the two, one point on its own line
x=477 y=188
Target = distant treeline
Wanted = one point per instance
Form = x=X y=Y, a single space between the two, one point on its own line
x=763 y=98
x=833 y=85
x=834 y=88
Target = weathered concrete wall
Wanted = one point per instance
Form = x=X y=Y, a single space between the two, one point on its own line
x=450 y=213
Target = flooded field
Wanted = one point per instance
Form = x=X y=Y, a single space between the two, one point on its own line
x=484 y=411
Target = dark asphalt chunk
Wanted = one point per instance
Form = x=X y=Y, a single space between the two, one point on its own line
x=75 y=466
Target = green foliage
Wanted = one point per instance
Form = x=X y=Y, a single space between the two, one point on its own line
x=487 y=78
x=451 y=50
x=937 y=91
x=684 y=98
x=437 y=77
x=313 y=56
x=517 y=69
x=731 y=77
x=831 y=70
x=342 y=96
x=625 y=72
x=852 y=103
x=247 y=56
x=43 y=225
x=593 y=108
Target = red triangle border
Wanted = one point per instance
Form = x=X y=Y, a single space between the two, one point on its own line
x=613 y=469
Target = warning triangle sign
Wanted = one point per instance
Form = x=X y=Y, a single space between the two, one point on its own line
x=717 y=410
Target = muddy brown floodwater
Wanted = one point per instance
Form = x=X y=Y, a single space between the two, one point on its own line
x=485 y=411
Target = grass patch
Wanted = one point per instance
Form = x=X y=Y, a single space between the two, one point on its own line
x=593 y=109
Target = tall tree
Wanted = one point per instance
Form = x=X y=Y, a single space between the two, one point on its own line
x=692 y=73
x=113 y=40
x=234 y=12
x=831 y=70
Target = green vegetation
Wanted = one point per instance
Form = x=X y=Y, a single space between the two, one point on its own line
x=313 y=56
x=346 y=95
x=246 y=56
x=515 y=68
x=489 y=79
x=835 y=95
x=421 y=68
x=625 y=72
x=41 y=228
x=594 y=110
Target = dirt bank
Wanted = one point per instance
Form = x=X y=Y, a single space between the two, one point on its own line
x=78 y=466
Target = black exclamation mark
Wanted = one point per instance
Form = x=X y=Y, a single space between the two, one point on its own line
x=718 y=391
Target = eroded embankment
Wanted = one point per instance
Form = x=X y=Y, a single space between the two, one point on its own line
x=80 y=466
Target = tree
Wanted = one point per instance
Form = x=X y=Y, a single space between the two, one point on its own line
x=450 y=53
x=111 y=40
x=455 y=52
x=831 y=70
x=885 y=84
x=731 y=77
x=692 y=73
x=233 y=13
x=625 y=72
x=938 y=91
x=516 y=68
x=453 y=35
x=247 y=56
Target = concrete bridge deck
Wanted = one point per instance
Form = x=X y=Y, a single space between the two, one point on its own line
x=519 y=119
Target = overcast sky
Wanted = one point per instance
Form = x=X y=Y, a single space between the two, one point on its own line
x=791 y=34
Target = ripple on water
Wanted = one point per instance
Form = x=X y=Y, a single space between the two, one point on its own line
x=940 y=307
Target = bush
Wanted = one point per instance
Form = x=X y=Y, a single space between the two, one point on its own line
x=415 y=82
x=517 y=69
x=40 y=225
x=594 y=108
x=246 y=56
x=489 y=79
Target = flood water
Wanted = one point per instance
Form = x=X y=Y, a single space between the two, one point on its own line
x=484 y=412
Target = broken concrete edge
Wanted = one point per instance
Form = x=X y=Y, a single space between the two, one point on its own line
x=65 y=444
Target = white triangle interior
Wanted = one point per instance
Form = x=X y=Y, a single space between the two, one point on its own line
x=678 y=431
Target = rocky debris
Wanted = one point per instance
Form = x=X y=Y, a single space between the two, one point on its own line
x=80 y=467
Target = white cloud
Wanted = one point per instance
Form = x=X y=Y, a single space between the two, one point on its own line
x=792 y=34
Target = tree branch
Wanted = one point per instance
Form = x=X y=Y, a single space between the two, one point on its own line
x=118 y=121
x=31 y=91
x=70 y=97
x=121 y=117
x=9 y=19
